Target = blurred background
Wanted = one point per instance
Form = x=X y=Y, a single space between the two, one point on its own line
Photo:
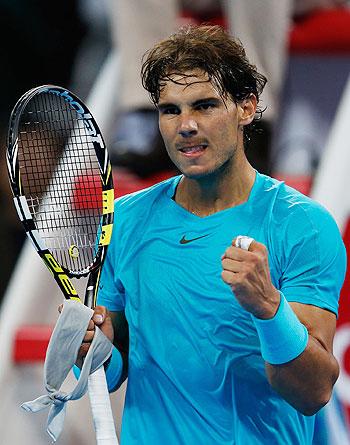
x=94 y=48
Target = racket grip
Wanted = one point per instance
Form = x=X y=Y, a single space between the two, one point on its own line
x=101 y=409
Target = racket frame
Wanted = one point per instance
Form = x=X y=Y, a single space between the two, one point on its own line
x=60 y=273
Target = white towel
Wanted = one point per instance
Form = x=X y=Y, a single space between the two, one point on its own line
x=61 y=355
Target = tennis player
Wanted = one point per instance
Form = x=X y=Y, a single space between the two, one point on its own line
x=221 y=284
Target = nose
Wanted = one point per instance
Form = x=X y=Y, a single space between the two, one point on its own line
x=188 y=126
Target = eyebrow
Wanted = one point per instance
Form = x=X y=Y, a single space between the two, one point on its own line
x=215 y=100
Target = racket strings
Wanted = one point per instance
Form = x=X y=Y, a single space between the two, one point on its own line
x=60 y=177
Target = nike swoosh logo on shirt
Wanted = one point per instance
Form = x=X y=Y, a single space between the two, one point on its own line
x=183 y=240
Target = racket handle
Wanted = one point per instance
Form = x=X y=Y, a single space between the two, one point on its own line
x=101 y=409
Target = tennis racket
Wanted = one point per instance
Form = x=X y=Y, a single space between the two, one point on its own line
x=61 y=180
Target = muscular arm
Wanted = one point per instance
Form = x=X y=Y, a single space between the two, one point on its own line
x=307 y=381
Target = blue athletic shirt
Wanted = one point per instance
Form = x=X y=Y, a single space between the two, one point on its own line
x=196 y=375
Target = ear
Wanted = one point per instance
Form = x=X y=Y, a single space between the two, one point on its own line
x=246 y=110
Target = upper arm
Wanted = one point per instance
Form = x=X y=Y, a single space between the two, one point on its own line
x=311 y=259
x=320 y=323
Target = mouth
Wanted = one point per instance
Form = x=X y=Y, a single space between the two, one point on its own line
x=192 y=149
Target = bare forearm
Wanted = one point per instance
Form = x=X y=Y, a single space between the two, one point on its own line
x=307 y=381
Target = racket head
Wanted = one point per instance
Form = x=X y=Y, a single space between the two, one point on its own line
x=61 y=179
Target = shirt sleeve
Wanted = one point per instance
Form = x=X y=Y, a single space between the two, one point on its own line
x=313 y=258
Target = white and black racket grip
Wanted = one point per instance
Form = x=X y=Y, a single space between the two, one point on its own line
x=101 y=409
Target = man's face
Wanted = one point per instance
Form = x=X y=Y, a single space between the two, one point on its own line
x=199 y=128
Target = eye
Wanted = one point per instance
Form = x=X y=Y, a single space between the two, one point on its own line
x=205 y=106
x=170 y=109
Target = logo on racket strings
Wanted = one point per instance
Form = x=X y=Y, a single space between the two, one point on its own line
x=87 y=118
x=73 y=251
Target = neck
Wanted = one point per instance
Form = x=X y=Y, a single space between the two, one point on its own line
x=217 y=191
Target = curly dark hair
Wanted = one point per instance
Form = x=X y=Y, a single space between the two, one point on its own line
x=210 y=49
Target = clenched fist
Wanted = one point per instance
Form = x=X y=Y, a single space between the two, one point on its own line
x=247 y=272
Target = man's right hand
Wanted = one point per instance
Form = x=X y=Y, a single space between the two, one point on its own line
x=100 y=318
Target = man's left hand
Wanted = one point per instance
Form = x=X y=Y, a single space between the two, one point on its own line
x=247 y=272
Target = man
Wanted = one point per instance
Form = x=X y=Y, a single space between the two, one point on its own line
x=228 y=338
